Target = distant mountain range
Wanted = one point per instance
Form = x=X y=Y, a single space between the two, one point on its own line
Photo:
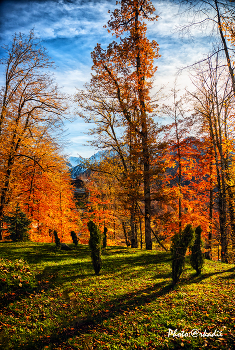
x=76 y=163
x=77 y=167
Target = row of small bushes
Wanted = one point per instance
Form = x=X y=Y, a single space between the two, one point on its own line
x=188 y=238
x=19 y=226
x=18 y=274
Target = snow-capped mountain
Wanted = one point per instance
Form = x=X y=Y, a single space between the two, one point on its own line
x=76 y=163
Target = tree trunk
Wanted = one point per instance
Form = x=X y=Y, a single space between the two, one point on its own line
x=221 y=187
x=134 y=243
x=141 y=233
x=4 y=191
x=225 y=46
x=208 y=254
x=125 y=234
x=232 y=216
x=147 y=200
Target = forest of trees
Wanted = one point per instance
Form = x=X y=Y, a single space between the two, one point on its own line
x=34 y=174
x=168 y=161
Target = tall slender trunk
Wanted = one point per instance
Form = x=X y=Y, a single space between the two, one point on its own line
x=1 y=227
x=221 y=195
x=232 y=216
x=229 y=192
x=230 y=204
x=141 y=233
x=134 y=243
x=114 y=229
x=4 y=191
x=144 y=136
x=225 y=46
x=180 y=165
x=125 y=234
x=14 y=147
x=208 y=254
x=147 y=199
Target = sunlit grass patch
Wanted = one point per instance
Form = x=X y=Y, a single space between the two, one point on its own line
x=131 y=305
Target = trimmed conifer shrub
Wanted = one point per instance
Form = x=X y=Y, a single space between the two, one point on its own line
x=74 y=237
x=18 y=225
x=95 y=246
x=105 y=237
x=57 y=240
x=197 y=257
x=180 y=243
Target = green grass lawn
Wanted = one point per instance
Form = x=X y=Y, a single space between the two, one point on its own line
x=131 y=305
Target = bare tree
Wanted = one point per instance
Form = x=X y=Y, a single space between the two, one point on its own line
x=214 y=104
x=221 y=14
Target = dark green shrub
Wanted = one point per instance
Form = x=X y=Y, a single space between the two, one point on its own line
x=74 y=237
x=95 y=246
x=16 y=275
x=197 y=257
x=18 y=225
x=57 y=240
x=105 y=237
x=180 y=243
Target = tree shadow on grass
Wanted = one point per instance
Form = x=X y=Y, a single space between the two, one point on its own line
x=112 y=309
x=37 y=254
x=231 y=276
x=47 y=252
x=196 y=279
x=50 y=277
x=143 y=259
x=60 y=275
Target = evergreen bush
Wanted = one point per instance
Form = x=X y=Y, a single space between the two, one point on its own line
x=57 y=240
x=197 y=258
x=95 y=246
x=18 y=225
x=180 y=243
x=74 y=238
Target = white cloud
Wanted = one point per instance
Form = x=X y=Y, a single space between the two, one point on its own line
x=70 y=80
x=52 y=19
x=70 y=31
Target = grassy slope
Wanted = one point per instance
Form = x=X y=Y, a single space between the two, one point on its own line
x=129 y=306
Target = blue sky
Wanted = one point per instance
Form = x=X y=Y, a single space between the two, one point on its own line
x=70 y=29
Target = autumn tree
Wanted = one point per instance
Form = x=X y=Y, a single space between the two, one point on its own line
x=119 y=162
x=33 y=172
x=47 y=194
x=175 y=136
x=30 y=101
x=214 y=103
x=124 y=72
x=104 y=207
x=185 y=195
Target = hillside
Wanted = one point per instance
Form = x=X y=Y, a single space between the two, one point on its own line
x=131 y=305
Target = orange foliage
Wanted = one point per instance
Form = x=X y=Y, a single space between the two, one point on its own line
x=99 y=208
x=32 y=172
x=194 y=190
